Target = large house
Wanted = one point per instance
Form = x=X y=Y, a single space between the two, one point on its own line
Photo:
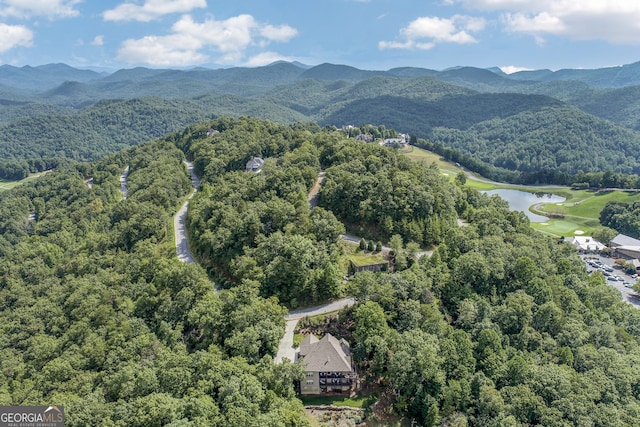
x=585 y=244
x=327 y=365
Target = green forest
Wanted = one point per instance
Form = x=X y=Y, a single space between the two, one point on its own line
x=501 y=326
x=623 y=217
x=531 y=128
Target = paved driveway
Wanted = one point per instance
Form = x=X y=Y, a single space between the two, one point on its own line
x=286 y=349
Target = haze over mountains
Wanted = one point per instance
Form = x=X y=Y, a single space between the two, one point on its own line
x=565 y=120
x=45 y=77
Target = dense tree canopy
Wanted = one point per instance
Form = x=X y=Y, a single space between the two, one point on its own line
x=98 y=315
x=500 y=326
x=622 y=217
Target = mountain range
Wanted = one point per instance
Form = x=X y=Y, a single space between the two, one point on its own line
x=565 y=120
x=45 y=77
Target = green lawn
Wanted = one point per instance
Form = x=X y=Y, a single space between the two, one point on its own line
x=589 y=203
x=421 y=155
x=581 y=211
x=365 y=258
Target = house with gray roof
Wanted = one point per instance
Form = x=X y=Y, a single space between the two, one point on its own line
x=623 y=240
x=254 y=165
x=625 y=246
x=327 y=365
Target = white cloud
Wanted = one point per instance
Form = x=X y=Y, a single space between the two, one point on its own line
x=425 y=32
x=160 y=51
x=28 y=8
x=282 y=33
x=14 y=35
x=98 y=40
x=510 y=69
x=151 y=9
x=191 y=43
x=614 y=21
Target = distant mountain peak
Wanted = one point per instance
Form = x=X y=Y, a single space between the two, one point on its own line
x=295 y=63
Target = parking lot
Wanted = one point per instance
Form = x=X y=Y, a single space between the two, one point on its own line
x=616 y=277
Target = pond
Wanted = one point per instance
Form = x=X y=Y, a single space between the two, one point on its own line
x=522 y=200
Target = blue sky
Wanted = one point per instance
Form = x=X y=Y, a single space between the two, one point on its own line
x=368 y=34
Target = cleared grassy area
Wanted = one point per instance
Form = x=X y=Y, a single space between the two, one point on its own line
x=421 y=155
x=8 y=184
x=581 y=211
x=366 y=258
x=566 y=227
x=351 y=251
x=590 y=204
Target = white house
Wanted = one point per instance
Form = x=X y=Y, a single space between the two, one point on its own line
x=585 y=244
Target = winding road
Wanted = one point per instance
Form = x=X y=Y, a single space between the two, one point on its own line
x=315 y=191
x=179 y=229
x=123 y=182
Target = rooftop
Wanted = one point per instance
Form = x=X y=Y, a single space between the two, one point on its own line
x=326 y=355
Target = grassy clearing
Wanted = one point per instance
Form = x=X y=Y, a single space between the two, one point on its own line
x=590 y=203
x=8 y=184
x=366 y=258
x=351 y=252
x=581 y=211
x=421 y=155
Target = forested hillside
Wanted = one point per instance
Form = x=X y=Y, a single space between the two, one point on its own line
x=623 y=217
x=517 y=127
x=559 y=139
x=501 y=326
x=97 y=314
x=100 y=129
